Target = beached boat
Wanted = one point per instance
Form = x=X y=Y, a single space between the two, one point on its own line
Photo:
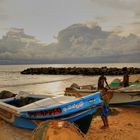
x=4 y=95
x=126 y=96
x=84 y=90
x=133 y=80
x=8 y=95
x=121 y=96
x=27 y=112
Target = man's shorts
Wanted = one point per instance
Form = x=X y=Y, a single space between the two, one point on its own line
x=105 y=111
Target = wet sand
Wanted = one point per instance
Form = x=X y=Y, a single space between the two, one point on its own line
x=123 y=126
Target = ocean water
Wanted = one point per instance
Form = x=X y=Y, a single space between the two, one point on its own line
x=12 y=80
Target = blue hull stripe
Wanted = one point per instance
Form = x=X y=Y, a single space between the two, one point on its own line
x=29 y=124
x=24 y=123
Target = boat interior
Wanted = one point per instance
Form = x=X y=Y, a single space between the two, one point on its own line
x=29 y=103
x=22 y=101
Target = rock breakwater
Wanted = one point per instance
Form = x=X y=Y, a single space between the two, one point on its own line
x=80 y=71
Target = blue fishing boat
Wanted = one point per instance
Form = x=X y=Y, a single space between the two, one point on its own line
x=28 y=111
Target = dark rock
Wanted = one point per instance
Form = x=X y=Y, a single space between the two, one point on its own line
x=6 y=94
x=80 y=71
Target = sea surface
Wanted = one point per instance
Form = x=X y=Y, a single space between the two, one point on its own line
x=12 y=80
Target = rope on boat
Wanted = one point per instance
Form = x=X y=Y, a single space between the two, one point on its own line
x=57 y=130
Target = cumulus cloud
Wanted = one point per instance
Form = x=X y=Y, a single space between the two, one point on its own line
x=79 y=40
x=76 y=41
x=17 y=45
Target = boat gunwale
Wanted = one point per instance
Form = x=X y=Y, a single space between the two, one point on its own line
x=62 y=106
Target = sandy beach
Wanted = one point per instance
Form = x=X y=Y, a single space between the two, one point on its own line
x=123 y=126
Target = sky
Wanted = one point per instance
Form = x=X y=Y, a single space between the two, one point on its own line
x=45 y=18
x=50 y=20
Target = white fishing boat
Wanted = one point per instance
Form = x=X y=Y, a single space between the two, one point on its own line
x=126 y=96
x=121 y=96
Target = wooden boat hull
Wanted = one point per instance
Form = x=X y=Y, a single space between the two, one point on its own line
x=125 y=99
x=126 y=96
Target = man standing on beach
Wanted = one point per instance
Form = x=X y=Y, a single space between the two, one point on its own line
x=106 y=97
x=101 y=81
x=125 y=77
